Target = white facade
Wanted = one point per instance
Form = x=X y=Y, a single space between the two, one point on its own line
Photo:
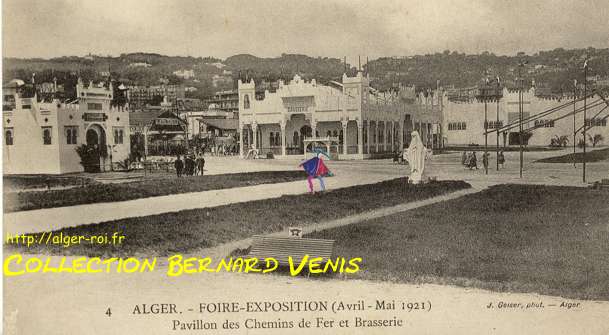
x=463 y=122
x=41 y=138
x=357 y=121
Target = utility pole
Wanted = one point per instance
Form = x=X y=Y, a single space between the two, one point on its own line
x=585 y=125
x=484 y=96
x=497 y=124
x=520 y=114
x=574 y=130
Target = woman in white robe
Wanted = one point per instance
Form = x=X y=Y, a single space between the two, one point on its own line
x=416 y=155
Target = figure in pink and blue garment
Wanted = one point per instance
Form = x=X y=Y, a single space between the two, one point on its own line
x=315 y=168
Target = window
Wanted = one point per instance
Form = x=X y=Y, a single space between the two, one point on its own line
x=596 y=122
x=46 y=135
x=246 y=101
x=277 y=138
x=544 y=123
x=8 y=136
x=495 y=124
x=118 y=135
x=94 y=106
x=457 y=126
x=71 y=134
x=272 y=139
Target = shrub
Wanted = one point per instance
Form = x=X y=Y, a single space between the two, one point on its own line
x=89 y=157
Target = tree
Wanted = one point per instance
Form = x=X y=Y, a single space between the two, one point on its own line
x=596 y=139
x=559 y=141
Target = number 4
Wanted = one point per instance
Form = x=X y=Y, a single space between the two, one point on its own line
x=108 y=312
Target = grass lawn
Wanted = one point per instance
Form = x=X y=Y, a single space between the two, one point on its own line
x=591 y=156
x=544 y=239
x=493 y=148
x=189 y=230
x=22 y=182
x=100 y=192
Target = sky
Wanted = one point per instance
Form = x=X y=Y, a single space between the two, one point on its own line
x=327 y=28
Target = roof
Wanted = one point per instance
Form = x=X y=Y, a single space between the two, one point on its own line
x=15 y=83
x=224 y=124
x=143 y=118
x=190 y=104
x=149 y=118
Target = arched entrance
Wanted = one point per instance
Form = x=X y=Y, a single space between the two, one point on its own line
x=96 y=141
x=305 y=131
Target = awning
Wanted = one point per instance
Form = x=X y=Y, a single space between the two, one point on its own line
x=223 y=124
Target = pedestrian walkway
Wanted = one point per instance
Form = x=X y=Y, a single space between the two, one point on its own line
x=347 y=173
x=55 y=218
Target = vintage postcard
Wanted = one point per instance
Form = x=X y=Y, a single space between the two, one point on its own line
x=305 y=167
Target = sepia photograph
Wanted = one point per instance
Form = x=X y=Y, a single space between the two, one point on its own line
x=305 y=167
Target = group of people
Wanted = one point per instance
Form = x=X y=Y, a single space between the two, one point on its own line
x=471 y=161
x=192 y=165
x=224 y=150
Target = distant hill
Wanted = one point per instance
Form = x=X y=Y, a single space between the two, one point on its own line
x=320 y=68
x=554 y=69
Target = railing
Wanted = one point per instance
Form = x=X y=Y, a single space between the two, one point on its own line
x=294 y=151
x=275 y=150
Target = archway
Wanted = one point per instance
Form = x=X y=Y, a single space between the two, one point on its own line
x=96 y=140
x=305 y=131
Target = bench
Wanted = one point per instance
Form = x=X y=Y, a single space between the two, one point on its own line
x=601 y=184
x=280 y=248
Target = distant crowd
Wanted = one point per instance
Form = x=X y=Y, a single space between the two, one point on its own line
x=192 y=165
x=469 y=160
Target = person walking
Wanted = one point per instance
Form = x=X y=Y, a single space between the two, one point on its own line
x=315 y=168
x=485 y=161
x=200 y=164
x=179 y=165
x=473 y=161
x=501 y=159
x=464 y=158
x=190 y=165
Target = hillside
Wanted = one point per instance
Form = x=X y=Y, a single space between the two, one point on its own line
x=554 y=69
